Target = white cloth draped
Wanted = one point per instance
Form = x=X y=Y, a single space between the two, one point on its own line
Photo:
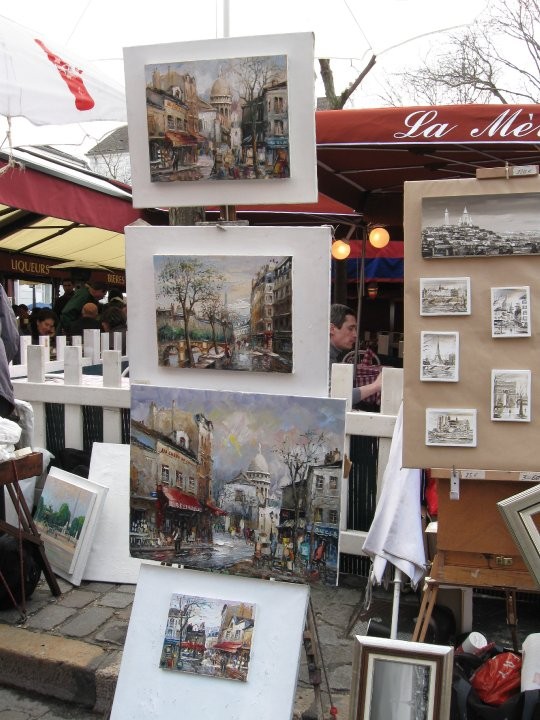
x=395 y=534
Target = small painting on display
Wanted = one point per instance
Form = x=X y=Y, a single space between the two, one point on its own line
x=511 y=395
x=207 y=636
x=241 y=483
x=510 y=312
x=451 y=427
x=204 y=119
x=445 y=296
x=66 y=517
x=439 y=352
x=480 y=226
x=224 y=312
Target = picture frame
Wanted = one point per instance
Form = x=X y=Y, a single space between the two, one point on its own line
x=521 y=513
x=387 y=674
x=66 y=516
x=479 y=225
x=511 y=312
x=240 y=316
x=229 y=482
x=308 y=249
x=154 y=139
x=439 y=356
x=451 y=427
x=511 y=395
x=514 y=207
x=445 y=296
x=145 y=690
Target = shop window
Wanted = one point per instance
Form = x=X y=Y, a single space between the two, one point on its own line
x=333 y=482
x=179 y=480
x=165 y=475
x=333 y=517
x=319 y=482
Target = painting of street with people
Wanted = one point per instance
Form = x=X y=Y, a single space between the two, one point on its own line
x=241 y=483
x=222 y=119
x=61 y=517
x=207 y=636
x=224 y=312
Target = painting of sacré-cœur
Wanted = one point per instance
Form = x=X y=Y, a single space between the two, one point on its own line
x=223 y=119
x=480 y=225
x=510 y=312
x=242 y=483
x=208 y=636
x=224 y=312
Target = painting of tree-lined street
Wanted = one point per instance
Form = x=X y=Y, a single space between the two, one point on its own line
x=224 y=312
x=207 y=636
x=60 y=517
x=222 y=119
x=241 y=483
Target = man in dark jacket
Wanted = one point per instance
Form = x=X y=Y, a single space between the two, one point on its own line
x=93 y=291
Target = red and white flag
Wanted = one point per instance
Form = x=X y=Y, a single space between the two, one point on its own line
x=47 y=85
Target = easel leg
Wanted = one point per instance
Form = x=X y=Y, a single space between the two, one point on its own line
x=313 y=658
x=429 y=597
x=511 y=617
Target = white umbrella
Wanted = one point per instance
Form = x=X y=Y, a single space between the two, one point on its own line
x=46 y=84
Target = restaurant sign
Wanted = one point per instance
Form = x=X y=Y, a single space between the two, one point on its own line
x=34 y=267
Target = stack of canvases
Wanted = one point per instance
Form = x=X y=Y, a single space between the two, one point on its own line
x=236 y=449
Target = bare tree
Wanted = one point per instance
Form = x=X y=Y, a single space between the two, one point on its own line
x=496 y=59
x=188 y=282
x=337 y=102
x=297 y=454
x=254 y=74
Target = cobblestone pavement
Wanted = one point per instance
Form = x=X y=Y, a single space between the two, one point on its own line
x=69 y=647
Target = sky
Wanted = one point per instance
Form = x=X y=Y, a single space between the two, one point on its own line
x=246 y=423
x=346 y=31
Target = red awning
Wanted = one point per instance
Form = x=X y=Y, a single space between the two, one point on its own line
x=180 y=500
x=230 y=647
x=365 y=156
x=214 y=509
x=180 y=139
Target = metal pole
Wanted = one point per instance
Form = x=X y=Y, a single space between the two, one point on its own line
x=359 y=306
x=226 y=19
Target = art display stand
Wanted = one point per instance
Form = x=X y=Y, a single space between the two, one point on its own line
x=474 y=546
x=11 y=472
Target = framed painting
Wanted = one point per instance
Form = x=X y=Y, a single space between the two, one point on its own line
x=480 y=226
x=237 y=483
x=224 y=312
x=445 y=296
x=223 y=121
x=439 y=356
x=208 y=636
x=511 y=395
x=66 y=517
x=390 y=677
x=450 y=427
x=148 y=689
x=473 y=240
x=510 y=312
x=236 y=302
x=521 y=514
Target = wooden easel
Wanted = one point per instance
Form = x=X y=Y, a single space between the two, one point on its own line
x=474 y=546
x=11 y=471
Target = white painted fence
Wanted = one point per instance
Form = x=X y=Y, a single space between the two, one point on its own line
x=110 y=391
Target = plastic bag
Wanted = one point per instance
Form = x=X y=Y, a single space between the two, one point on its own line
x=498 y=679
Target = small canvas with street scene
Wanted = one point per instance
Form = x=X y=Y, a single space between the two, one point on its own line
x=224 y=312
x=241 y=483
x=208 y=636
